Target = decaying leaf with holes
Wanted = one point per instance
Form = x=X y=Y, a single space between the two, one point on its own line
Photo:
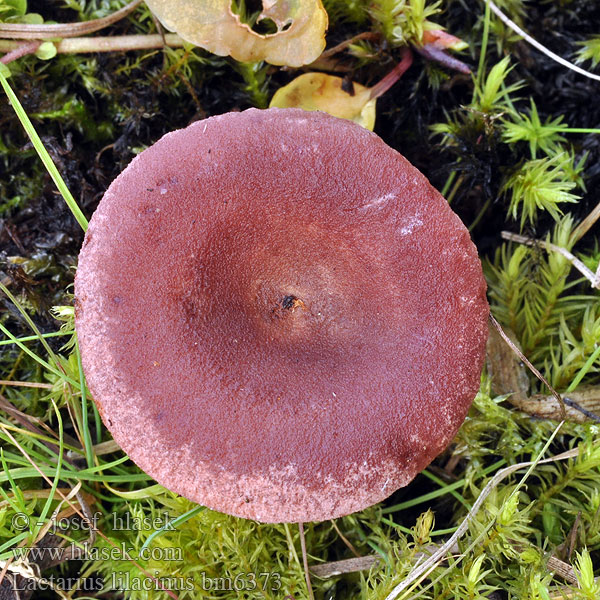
x=211 y=24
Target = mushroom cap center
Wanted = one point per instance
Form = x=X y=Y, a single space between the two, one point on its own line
x=292 y=289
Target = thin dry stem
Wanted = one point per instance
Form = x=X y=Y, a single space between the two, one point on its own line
x=509 y=377
x=32 y=384
x=305 y=562
x=586 y=224
x=522 y=239
x=348 y=565
x=117 y=43
x=29 y=494
x=562 y=569
x=536 y=44
x=346 y=541
x=27 y=421
x=520 y=354
x=365 y=35
x=28 y=31
x=439 y=555
x=580 y=406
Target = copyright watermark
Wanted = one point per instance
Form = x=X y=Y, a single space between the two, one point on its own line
x=120 y=552
x=20 y=522
x=264 y=581
x=126 y=581
x=23 y=522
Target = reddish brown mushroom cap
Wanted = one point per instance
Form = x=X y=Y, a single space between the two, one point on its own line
x=278 y=316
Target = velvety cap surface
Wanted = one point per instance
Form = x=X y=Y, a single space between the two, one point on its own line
x=278 y=316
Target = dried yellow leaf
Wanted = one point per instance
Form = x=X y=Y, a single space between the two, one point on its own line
x=318 y=91
x=211 y=24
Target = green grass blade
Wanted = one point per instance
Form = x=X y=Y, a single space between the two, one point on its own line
x=43 y=153
x=31 y=324
x=31 y=338
x=87 y=436
x=59 y=463
x=583 y=371
x=437 y=493
x=171 y=525
x=35 y=357
x=484 y=43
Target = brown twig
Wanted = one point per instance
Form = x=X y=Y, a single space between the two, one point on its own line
x=580 y=406
x=28 y=31
x=26 y=421
x=305 y=561
x=366 y=35
x=509 y=377
x=364 y=563
x=44 y=493
x=565 y=550
x=562 y=569
x=349 y=565
x=586 y=224
x=32 y=384
x=117 y=43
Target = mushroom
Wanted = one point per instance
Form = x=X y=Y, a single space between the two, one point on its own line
x=279 y=317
